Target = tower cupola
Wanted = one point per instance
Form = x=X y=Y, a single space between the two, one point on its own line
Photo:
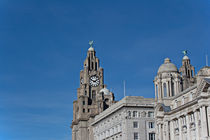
x=167 y=81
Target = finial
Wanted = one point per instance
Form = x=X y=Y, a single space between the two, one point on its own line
x=91 y=43
x=167 y=60
x=184 y=52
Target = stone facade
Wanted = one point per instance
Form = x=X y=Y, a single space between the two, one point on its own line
x=182 y=110
x=132 y=118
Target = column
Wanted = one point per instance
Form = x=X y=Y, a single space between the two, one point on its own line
x=164 y=131
x=168 y=92
x=73 y=135
x=203 y=122
x=180 y=129
x=171 y=130
x=156 y=131
x=167 y=131
x=159 y=90
x=155 y=92
x=188 y=127
x=160 y=132
x=170 y=88
x=196 y=125
x=208 y=114
x=177 y=90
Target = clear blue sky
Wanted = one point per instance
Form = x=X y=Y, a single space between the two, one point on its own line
x=43 y=44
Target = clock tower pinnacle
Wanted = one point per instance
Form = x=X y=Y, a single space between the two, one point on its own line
x=91 y=99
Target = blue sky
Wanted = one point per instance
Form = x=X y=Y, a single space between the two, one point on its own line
x=43 y=44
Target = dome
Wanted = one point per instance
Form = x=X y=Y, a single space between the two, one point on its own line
x=105 y=91
x=167 y=66
x=205 y=71
x=91 y=49
x=185 y=58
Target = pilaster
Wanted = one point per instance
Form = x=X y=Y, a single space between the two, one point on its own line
x=180 y=129
x=203 y=122
x=197 y=125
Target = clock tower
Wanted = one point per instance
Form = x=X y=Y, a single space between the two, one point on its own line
x=92 y=97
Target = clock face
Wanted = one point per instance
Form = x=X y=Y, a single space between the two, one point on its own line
x=94 y=81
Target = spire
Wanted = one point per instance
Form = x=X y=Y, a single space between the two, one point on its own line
x=91 y=61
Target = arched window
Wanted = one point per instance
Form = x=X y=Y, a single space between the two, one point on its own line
x=92 y=65
x=96 y=66
x=164 y=90
x=172 y=88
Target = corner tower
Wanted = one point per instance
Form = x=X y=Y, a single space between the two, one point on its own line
x=92 y=96
x=167 y=81
x=188 y=72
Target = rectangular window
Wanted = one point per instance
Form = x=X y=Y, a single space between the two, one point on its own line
x=151 y=125
x=135 y=125
x=151 y=136
x=83 y=102
x=150 y=114
x=134 y=113
x=136 y=136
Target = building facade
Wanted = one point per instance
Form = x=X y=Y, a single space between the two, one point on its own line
x=182 y=110
x=92 y=97
x=131 y=118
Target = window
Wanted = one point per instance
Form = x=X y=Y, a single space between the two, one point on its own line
x=134 y=113
x=135 y=125
x=136 y=136
x=151 y=125
x=83 y=110
x=92 y=64
x=83 y=102
x=164 y=90
x=129 y=113
x=172 y=88
x=151 y=136
x=150 y=114
x=96 y=66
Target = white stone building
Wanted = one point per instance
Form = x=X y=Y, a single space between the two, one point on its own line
x=132 y=118
x=182 y=110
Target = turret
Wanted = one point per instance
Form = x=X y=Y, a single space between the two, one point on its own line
x=167 y=81
x=187 y=72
